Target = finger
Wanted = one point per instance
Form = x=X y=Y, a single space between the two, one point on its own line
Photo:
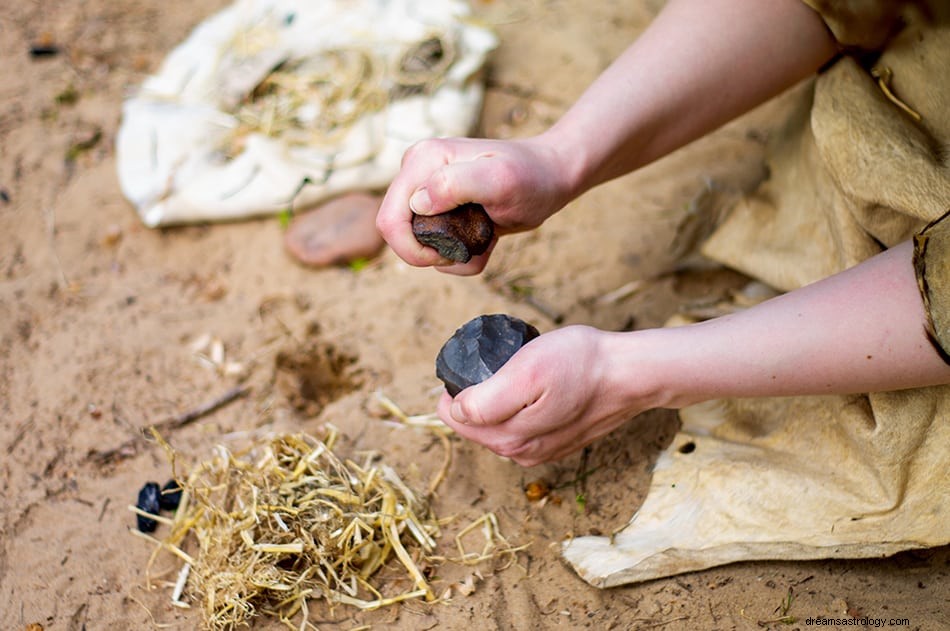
x=496 y=438
x=523 y=438
x=501 y=396
x=473 y=267
x=422 y=167
x=510 y=441
x=565 y=441
x=394 y=223
x=398 y=234
x=480 y=180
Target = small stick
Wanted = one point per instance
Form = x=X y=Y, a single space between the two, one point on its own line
x=203 y=410
x=446 y=462
x=178 y=552
x=622 y=292
x=130 y=447
x=582 y=473
x=105 y=505
x=665 y=622
x=180 y=583
x=152 y=516
x=883 y=75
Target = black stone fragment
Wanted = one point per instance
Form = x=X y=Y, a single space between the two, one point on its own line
x=170 y=497
x=479 y=348
x=44 y=50
x=150 y=502
x=457 y=235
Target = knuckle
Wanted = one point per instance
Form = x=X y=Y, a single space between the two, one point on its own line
x=382 y=223
x=413 y=151
x=531 y=461
x=471 y=411
x=508 y=178
x=512 y=448
x=440 y=183
x=422 y=148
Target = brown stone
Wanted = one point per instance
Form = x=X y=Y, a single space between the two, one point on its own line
x=337 y=232
x=457 y=235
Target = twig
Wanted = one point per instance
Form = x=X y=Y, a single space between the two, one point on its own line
x=581 y=475
x=446 y=462
x=621 y=293
x=883 y=74
x=130 y=448
x=782 y=620
x=202 y=410
x=105 y=505
x=665 y=622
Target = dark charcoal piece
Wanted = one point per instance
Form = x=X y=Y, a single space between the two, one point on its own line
x=44 y=50
x=170 y=497
x=150 y=503
x=478 y=349
x=458 y=234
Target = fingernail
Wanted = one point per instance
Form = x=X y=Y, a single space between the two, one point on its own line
x=457 y=413
x=420 y=202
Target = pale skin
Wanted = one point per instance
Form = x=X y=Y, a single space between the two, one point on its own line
x=697 y=66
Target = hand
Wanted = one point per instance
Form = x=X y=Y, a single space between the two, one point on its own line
x=557 y=394
x=519 y=182
x=566 y=388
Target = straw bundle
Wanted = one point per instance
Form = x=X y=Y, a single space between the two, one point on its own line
x=287 y=522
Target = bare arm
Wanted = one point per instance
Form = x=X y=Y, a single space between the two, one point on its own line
x=859 y=331
x=698 y=65
x=862 y=330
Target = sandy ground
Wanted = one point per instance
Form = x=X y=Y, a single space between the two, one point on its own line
x=97 y=315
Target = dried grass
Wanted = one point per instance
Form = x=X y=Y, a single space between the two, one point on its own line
x=287 y=522
x=317 y=100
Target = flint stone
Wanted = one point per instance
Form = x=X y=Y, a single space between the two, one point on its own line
x=479 y=348
x=170 y=497
x=459 y=234
x=148 y=501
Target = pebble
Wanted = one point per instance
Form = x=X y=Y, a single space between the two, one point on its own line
x=170 y=496
x=337 y=232
x=149 y=501
x=458 y=234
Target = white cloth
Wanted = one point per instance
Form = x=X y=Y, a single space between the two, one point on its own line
x=215 y=136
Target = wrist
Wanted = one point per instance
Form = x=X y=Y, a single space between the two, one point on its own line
x=569 y=160
x=655 y=368
x=632 y=370
x=594 y=155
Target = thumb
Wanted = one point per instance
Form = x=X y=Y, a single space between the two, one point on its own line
x=496 y=399
x=455 y=184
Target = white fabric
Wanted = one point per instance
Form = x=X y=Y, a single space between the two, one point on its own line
x=183 y=154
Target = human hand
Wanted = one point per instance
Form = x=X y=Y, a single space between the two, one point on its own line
x=557 y=394
x=519 y=182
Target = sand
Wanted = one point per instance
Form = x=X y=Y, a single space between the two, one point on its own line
x=99 y=319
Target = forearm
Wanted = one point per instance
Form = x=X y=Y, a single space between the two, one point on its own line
x=862 y=330
x=697 y=66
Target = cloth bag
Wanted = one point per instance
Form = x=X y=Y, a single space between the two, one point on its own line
x=273 y=103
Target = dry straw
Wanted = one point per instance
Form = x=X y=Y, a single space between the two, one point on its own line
x=287 y=522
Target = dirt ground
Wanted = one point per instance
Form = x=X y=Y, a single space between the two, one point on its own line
x=99 y=315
